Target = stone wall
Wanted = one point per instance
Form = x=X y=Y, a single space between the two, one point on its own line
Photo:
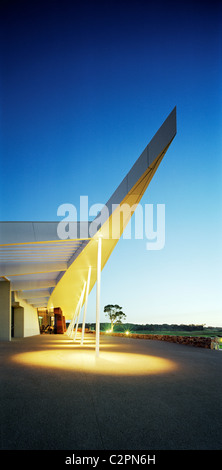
x=197 y=341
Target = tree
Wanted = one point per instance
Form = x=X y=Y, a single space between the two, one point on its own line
x=115 y=314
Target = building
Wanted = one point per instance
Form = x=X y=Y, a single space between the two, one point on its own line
x=43 y=271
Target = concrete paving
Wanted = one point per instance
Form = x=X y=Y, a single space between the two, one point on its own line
x=138 y=395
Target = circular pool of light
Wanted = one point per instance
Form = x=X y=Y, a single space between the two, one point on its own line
x=108 y=362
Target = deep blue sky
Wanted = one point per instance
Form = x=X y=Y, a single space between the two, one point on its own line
x=84 y=86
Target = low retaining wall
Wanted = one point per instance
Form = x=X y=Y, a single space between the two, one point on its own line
x=197 y=341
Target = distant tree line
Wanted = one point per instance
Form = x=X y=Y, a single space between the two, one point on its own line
x=167 y=327
x=147 y=327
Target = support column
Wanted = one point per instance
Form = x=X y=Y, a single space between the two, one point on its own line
x=85 y=306
x=5 y=310
x=72 y=323
x=80 y=307
x=98 y=295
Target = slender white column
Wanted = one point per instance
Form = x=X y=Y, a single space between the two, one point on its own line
x=74 y=319
x=85 y=306
x=72 y=323
x=70 y=327
x=80 y=307
x=98 y=294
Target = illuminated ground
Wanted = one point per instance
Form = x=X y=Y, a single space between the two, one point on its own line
x=138 y=394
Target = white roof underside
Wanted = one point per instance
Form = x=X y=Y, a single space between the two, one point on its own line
x=34 y=267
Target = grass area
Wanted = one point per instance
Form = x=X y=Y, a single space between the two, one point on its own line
x=205 y=332
x=178 y=333
x=180 y=330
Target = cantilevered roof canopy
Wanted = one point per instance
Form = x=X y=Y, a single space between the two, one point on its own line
x=32 y=257
x=50 y=272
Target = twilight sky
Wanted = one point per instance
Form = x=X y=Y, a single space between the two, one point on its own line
x=84 y=86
